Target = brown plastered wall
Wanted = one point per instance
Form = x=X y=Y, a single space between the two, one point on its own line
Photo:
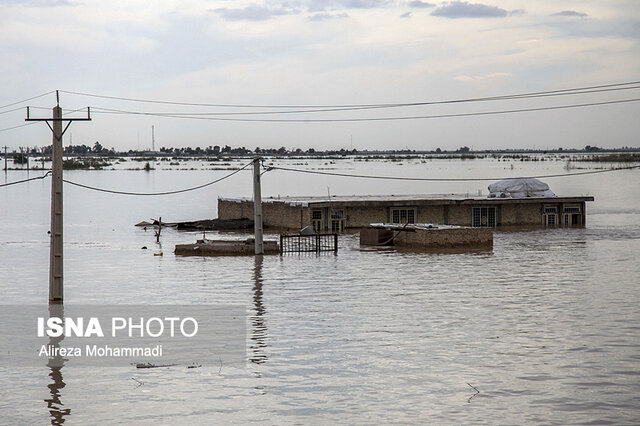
x=460 y=214
x=235 y=210
x=521 y=214
x=363 y=216
x=284 y=216
x=274 y=214
x=430 y=214
x=445 y=238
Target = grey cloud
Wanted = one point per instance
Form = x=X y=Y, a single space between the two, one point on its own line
x=324 y=16
x=463 y=9
x=570 y=13
x=322 y=5
x=406 y=15
x=417 y=4
x=253 y=12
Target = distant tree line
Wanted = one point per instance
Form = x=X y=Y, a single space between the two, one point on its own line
x=98 y=150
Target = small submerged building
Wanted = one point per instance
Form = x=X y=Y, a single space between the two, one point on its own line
x=512 y=202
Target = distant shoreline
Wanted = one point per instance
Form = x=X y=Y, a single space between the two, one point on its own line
x=216 y=153
x=146 y=161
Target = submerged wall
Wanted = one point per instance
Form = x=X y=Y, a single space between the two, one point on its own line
x=418 y=238
x=445 y=238
x=274 y=215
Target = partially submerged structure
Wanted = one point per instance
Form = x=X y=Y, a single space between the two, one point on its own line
x=203 y=225
x=426 y=236
x=205 y=247
x=513 y=202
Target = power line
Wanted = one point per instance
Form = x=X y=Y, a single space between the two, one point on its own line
x=577 y=90
x=216 y=116
x=31 y=123
x=316 y=172
x=26 y=100
x=342 y=109
x=158 y=193
x=16 y=127
x=98 y=110
x=25 y=180
x=10 y=110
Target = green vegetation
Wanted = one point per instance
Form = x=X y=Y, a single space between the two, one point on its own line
x=84 y=164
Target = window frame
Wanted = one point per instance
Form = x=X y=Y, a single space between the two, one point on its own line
x=397 y=214
x=491 y=212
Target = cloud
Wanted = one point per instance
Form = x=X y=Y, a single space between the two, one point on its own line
x=325 y=16
x=406 y=15
x=482 y=77
x=417 y=4
x=463 y=9
x=38 y=3
x=530 y=41
x=322 y=5
x=570 y=13
x=253 y=12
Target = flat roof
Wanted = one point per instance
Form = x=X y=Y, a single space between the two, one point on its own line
x=422 y=226
x=412 y=199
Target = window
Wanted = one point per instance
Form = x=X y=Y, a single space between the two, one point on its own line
x=571 y=215
x=550 y=215
x=337 y=220
x=316 y=220
x=401 y=215
x=483 y=217
x=551 y=219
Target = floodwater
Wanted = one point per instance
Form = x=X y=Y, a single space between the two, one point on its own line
x=544 y=328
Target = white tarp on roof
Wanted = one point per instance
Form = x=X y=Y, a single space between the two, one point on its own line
x=520 y=188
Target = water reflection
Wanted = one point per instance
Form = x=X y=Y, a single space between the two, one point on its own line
x=55 y=364
x=259 y=328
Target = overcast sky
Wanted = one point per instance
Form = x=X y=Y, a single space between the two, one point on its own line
x=322 y=52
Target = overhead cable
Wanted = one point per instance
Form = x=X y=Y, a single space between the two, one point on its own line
x=66 y=113
x=26 y=100
x=24 y=180
x=111 y=191
x=11 y=110
x=98 y=110
x=317 y=172
x=342 y=109
x=18 y=126
x=577 y=90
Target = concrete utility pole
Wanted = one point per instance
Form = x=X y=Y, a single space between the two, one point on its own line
x=257 y=207
x=56 y=292
x=5 y=158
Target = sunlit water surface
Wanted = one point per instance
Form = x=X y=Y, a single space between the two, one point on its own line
x=545 y=326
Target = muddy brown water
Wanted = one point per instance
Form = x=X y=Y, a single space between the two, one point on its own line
x=543 y=328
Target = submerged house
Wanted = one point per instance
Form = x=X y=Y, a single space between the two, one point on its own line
x=512 y=202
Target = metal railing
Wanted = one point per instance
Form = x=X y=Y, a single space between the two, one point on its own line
x=316 y=243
